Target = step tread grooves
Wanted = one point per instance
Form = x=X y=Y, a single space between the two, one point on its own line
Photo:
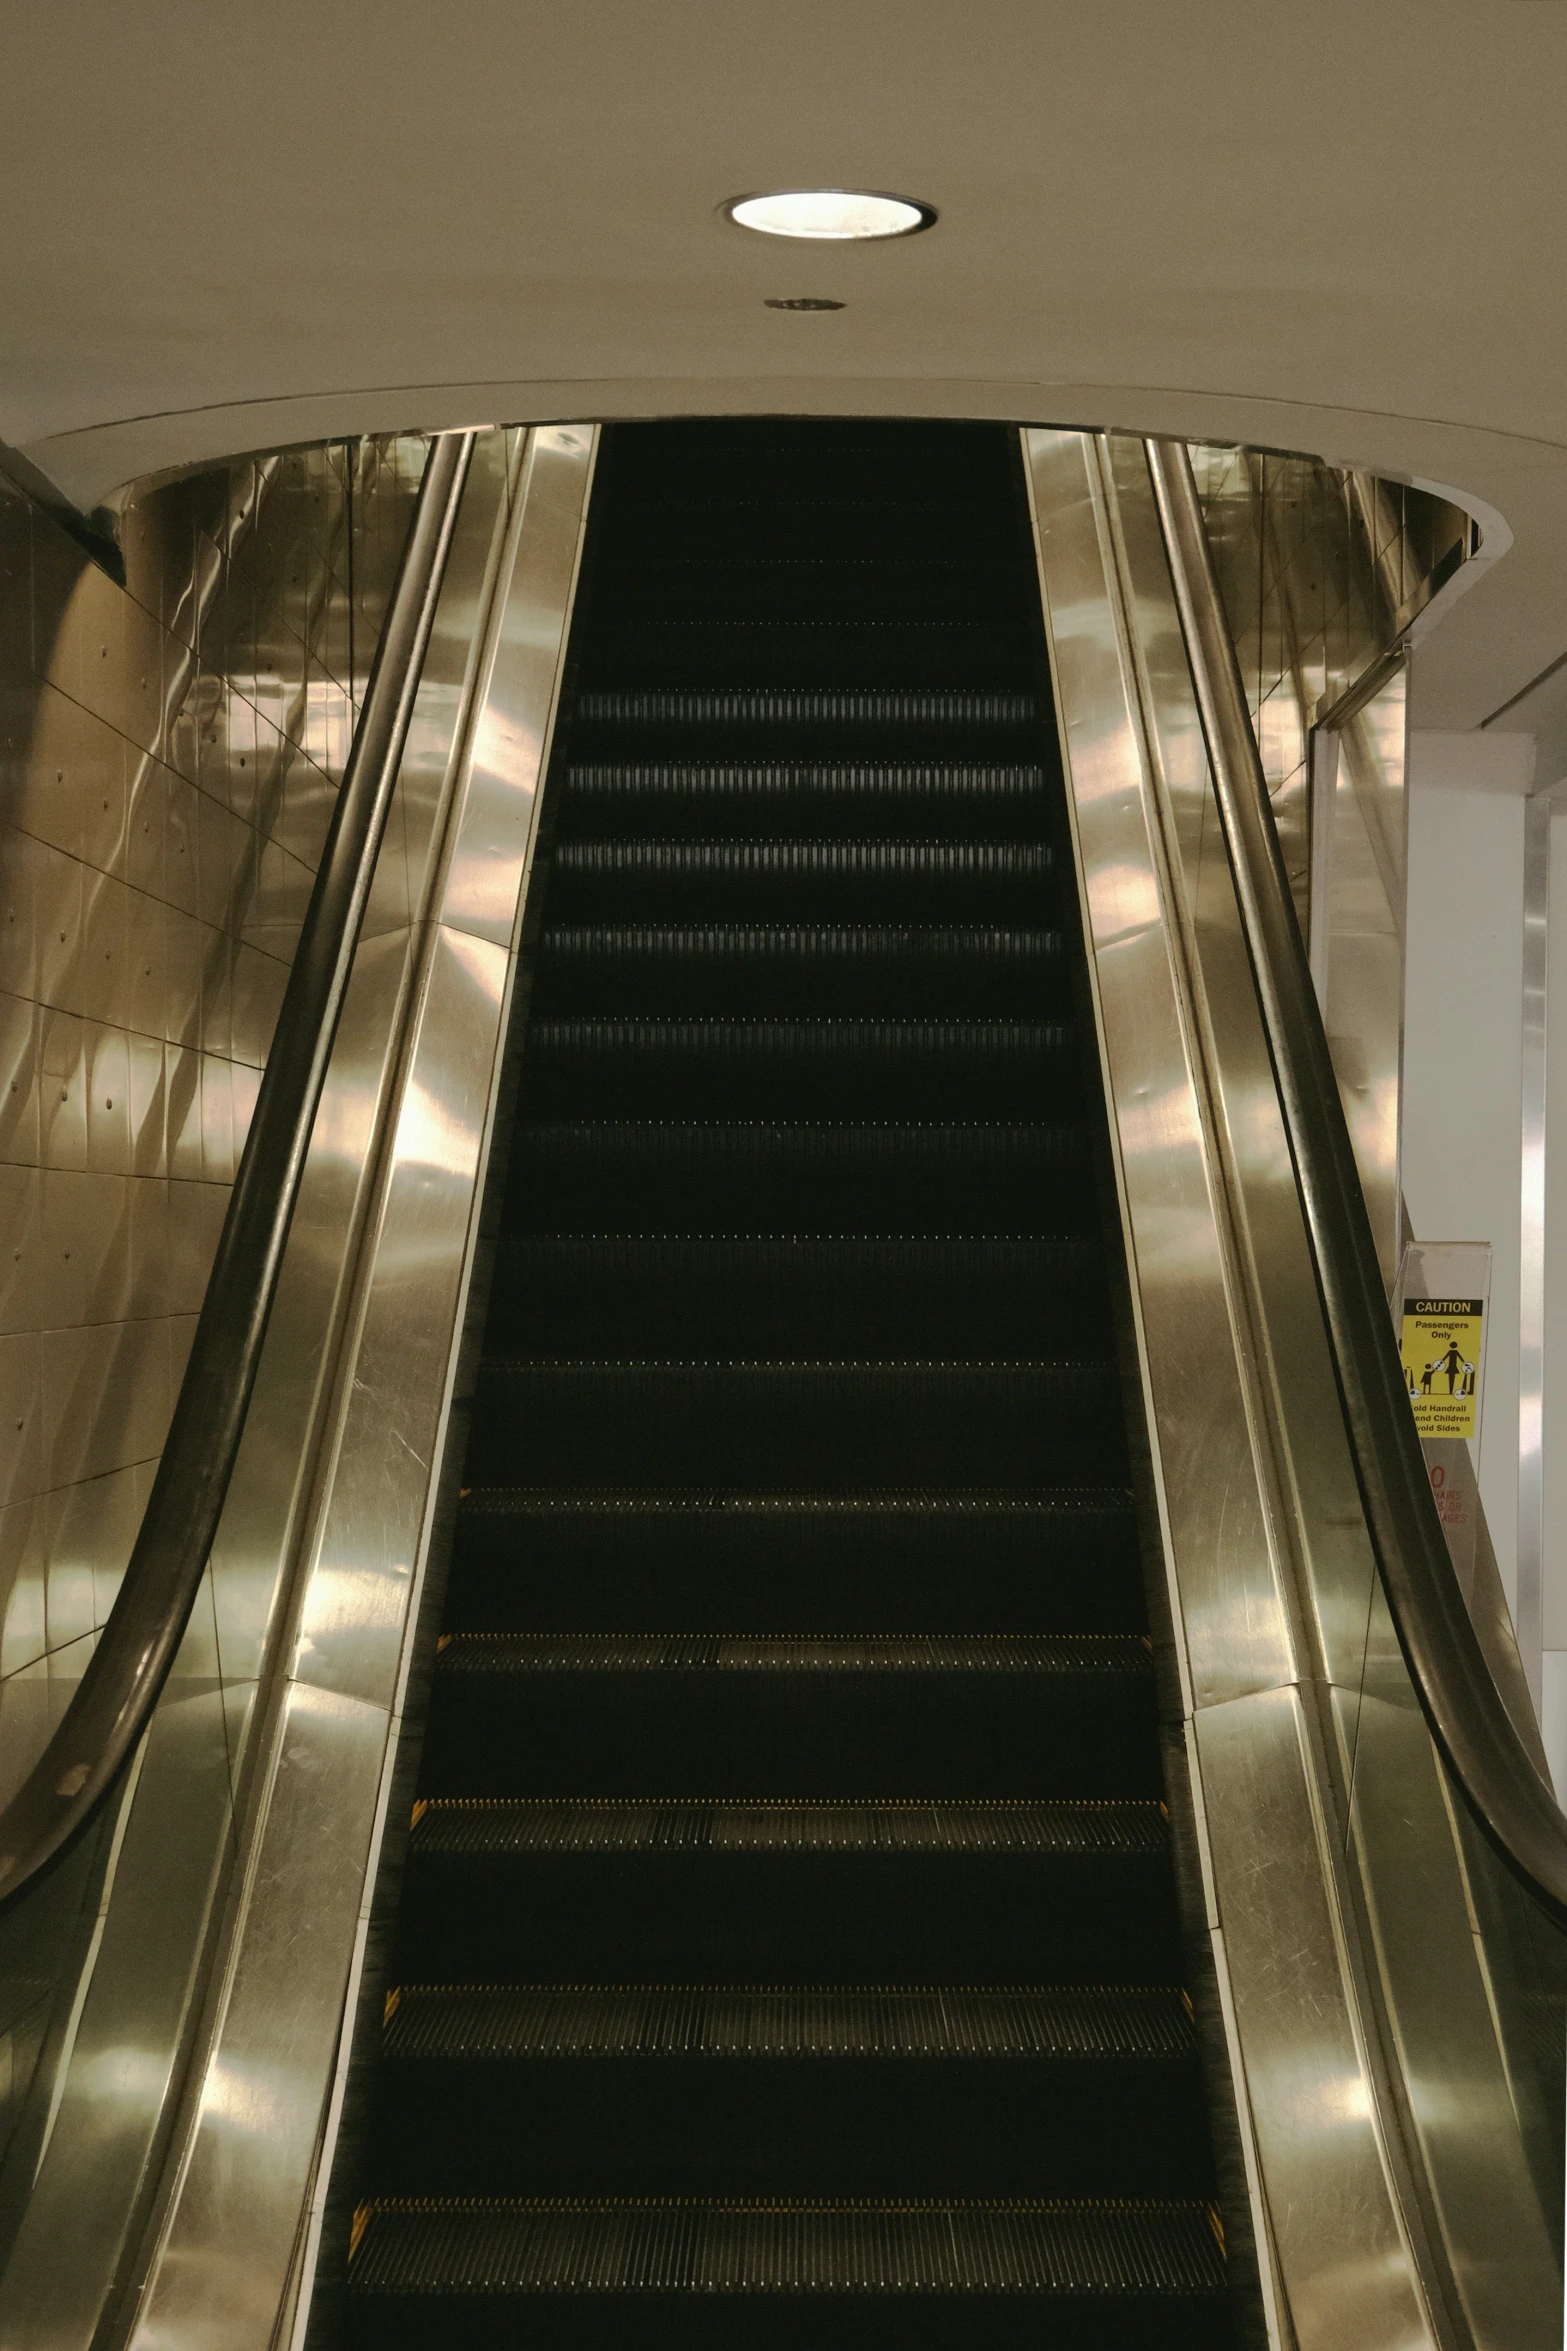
x=541 y=1824
x=478 y=2022
x=786 y=705
x=525 y=1501
x=922 y=1653
x=668 y=2246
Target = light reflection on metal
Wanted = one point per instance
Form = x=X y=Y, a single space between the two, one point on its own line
x=233 y=2228
x=260 y=1715
x=1538 y=809
x=1362 y=2008
x=1359 y=861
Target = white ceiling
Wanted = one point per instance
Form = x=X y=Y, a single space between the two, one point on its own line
x=1338 y=226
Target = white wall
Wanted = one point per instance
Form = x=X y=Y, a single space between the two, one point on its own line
x=1554 y=1547
x=1463 y=1050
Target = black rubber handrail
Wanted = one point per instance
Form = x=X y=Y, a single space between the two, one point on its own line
x=1453 y=1682
x=137 y=1645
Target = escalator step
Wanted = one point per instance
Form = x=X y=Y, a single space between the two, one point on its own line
x=970 y=1716
x=606 y=1292
x=683 y=1177
x=688 y=799
x=492 y=1825
x=913 y=881
x=771 y=586
x=771 y=706
x=922 y=1653
x=620 y=1422
x=799 y=1068
x=955 y=1561
x=916 y=2022
x=902 y=971
x=742 y=2248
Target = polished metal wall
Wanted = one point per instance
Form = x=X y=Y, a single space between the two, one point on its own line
x=169 y=2173
x=1389 y=2007
x=171 y=753
x=1322 y=573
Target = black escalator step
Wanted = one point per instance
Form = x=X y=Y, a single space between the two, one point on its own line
x=916 y=2022
x=969 y=1716
x=795 y=1068
x=788 y=1890
x=753 y=1176
x=769 y=705
x=814 y=1424
x=790 y=2090
x=769 y=587
x=951 y=882
x=497 y=1826
x=856 y=655
x=794 y=1653
x=783 y=968
x=539 y=2247
x=609 y=1293
x=586 y=1560
x=681 y=799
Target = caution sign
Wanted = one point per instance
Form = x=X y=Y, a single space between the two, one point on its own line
x=1441 y=1351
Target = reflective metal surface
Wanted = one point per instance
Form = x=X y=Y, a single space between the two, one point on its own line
x=1537 y=813
x=140 y=2016
x=1359 y=859
x=1321 y=573
x=233 y=2229
x=1302 y=2079
x=120 y=1683
x=1367 y=2028
x=172 y=753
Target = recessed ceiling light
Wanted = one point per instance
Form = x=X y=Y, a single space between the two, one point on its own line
x=834 y=214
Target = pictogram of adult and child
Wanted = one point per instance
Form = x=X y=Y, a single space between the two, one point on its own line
x=1453 y=1364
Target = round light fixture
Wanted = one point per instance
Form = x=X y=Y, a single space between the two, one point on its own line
x=832 y=215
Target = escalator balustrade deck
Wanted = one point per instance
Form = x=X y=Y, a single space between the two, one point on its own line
x=788 y=1949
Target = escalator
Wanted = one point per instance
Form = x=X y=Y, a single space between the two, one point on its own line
x=787 y=1946
x=827 y=1702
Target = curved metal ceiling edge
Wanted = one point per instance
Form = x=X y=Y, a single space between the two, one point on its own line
x=1503 y=622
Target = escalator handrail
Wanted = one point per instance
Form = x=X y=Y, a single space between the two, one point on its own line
x=136 y=1648
x=1458 y=1695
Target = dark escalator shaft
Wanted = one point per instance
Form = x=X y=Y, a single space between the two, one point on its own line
x=788 y=1948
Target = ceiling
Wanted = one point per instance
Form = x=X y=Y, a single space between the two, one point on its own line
x=1339 y=226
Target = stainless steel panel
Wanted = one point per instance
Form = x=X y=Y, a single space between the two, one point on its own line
x=384 y=1455
x=119 y=2066
x=1316 y=1505
x=1347 y=2263
x=1538 y=811
x=221 y=2267
x=1232 y=1610
x=1414 y=2007
x=1206 y=1192
x=102 y=1389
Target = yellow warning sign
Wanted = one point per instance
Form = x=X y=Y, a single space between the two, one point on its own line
x=1441 y=1351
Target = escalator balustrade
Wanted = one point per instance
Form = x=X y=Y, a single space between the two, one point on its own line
x=788 y=1947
